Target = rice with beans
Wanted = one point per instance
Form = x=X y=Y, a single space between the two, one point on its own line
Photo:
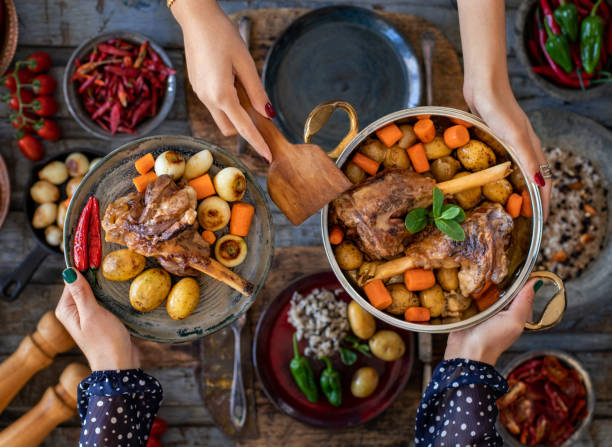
x=321 y=319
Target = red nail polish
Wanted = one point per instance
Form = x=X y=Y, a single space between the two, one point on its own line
x=270 y=111
x=539 y=179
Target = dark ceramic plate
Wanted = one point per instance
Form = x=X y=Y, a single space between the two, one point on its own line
x=273 y=351
x=340 y=53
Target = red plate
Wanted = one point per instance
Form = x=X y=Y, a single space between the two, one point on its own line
x=273 y=350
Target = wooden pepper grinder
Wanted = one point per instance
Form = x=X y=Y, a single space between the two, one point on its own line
x=57 y=404
x=35 y=352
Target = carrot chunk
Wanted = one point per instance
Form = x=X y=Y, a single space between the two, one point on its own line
x=378 y=294
x=209 y=236
x=488 y=299
x=366 y=163
x=514 y=204
x=419 y=279
x=458 y=121
x=456 y=136
x=241 y=218
x=418 y=157
x=389 y=135
x=336 y=235
x=203 y=186
x=141 y=182
x=481 y=292
x=417 y=314
x=145 y=163
x=526 y=205
x=425 y=130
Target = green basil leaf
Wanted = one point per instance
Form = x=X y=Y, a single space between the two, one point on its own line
x=347 y=356
x=365 y=350
x=451 y=228
x=438 y=199
x=460 y=217
x=450 y=212
x=416 y=220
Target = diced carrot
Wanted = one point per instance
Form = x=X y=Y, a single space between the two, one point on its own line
x=481 y=292
x=241 y=218
x=526 y=205
x=513 y=205
x=425 y=130
x=458 y=121
x=423 y=117
x=417 y=314
x=141 y=182
x=488 y=299
x=366 y=163
x=456 y=136
x=419 y=279
x=389 y=135
x=209 y=236
x=336 y=235
x=203 y=185
x=418 y=157
x=145 y=163
x=378 y=294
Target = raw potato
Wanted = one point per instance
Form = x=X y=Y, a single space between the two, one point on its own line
x=354 y=173
x=434 y=300
x=170 y=163
x=149 y=289
x=53 y=235
x=364 y=382
x=455 y=302
x=470 y=197
x=387 y=345
x=361 y=322
x=230 y=250
x=198 y=164
x=409 y=138
x=230 y=184
x=44 y=215
x=61 y=215
x=348 y=256
x=437 y=148
x=498 y=191
x=517 y=179
x=55 y=172
x=72 y=185
x=374 y=149
x=214 y=213
x=44 y=192
x=445 y=168
x=476 y=156
x=448 y=278
x=77 y=164
x=122 y=265
x=183 y=298
x=94 y=162
x=402 y=299
x=396 y=157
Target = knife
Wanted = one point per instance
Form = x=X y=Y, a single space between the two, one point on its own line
x=244 y=28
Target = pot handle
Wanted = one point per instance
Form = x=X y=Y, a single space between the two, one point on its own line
x=553 y=312
x=319 y=116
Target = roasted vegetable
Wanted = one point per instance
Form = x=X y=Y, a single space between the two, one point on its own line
x=170 y=163
x=361 y=322
x=387 y=345
x=44 y=192
x=445 y=168
x=375 y=150
x=149 y=289
x=55 y=172
x=214 y=213
x=183 y=298
x=498 y=191
x=396 y=157
x=409 y=138
x=476 y=156
x=53 y=235
x=230 y=250
x=434 y=300
x=354 y=173
x=302 y=374
x=448 y=278
x=348 y=256
x=230 y=184
x=198 y=164
x=122 y=265
x=72 y=185
x=436 y=148
x=77 y=164
x=331 y=383
x=364 y=382
x=44 y=215
x=402 y=299
x=470 y=197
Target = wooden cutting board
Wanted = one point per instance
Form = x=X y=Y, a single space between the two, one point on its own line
x=268 y=25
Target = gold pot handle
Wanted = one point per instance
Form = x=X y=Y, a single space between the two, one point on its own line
x=554 y=308
x=319 y=116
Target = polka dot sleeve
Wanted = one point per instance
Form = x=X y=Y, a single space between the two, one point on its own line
x=458 y=408
x=117 y=408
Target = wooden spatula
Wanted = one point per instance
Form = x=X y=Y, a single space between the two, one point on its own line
x=302 y=178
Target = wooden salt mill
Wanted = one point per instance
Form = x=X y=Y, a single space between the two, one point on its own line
x=35 y=352
x=57 y=404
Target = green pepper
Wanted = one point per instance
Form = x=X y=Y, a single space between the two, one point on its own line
x=302 y=374
x=591 y=40
x=566 y=16
x=331 y=384
x=558 y=48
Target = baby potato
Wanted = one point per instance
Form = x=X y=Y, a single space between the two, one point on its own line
x=455 y=302
x=55 y=172
x=183 y=298
x=402 y=299
x=149 y=289
x=364 y=381
x=61 y=215
x=198 y=164
x=476 y=156
x=94 y=162
x=122 y=265
x=396 y=157
x=409 y=138
x=77 y=164
x=53 y=235
x=387 y=345
x=436 y=148
x=498 y=191
x=361 y=322
x=44 y=192
x=72 y=185
x=354 y=173
x=434 y=300
x=348 y=256
x=374 y=149
x=170 y=163
x=448 y=278
x=230 y=250
x=444 y=168
x=517 y=179
x=44 y=215
x=214 y=213
x=470 y=197
x=230 y=184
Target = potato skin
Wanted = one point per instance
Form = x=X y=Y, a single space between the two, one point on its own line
x=476 y=156
x=77 y=164
x=354 y=173
x=364 y=382
x=54 y=172
x=149 y=289
x=44 y=192
x=455 y=302
x=387 y=345
x=374 y=149
x=183 y=298
x=408 y=136
x=434 y=300
x=444 y=168
x=517 y=179
x=44 y=215
x=361 y=322
x=396 y=157
x=348 y=256
x=53 y=235
x=470 y=197
x=447 y=278
x=402 y=299
x=498 y=191
x=61 y=215
x=122 y=265
x=436 y=148
x=72 y=185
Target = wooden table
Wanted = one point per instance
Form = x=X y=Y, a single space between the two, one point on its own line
x=57 y=26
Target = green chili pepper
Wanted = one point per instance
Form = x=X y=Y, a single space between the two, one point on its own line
x=302 y=374
x=558 y=48
x=331 y=383
x=591 y=40
x=566 y=16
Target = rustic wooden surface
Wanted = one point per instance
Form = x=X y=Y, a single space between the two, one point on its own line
x=58 y=26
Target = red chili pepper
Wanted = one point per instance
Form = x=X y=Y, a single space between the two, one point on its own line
x=80 y=253
x=88 y=83
x=540 y=429
x=142 y=52
x=109 y=49
x=550 y=19
x=140 y=112
x=129 y=72
x=558 y=404
x=512 y=395
x=94 y=241
x=126 y=130
x=153 y=54
x=552 y=368
x=115 y=117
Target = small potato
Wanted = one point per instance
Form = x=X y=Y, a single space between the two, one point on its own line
x=94 y=162
x=498 y=191
x=44 y=192
x=396 y=157
x=387 y=345
x=183 y=298
x=214 y=213
x=436 y=148
x=517 y=179
x=61 y=215
x=77 y=164
x=53 y=235
x=44 y=215
x=476 y=156
x=470 y=312
x=230 y=184
x=470 y=197
x=72 y=185
x=122 y=265
x=354 y=173
x=445 y=168
x=409 y=138
x=402 y=299
x=448 y=278
x=55 y=172
x=455 y=302
x=433 y=299
x=364 y=382
x=230 y=250
x=198 y=164
x=149 y=289
x=170 y=163
x=361 y=322
x=348 y=256
x=374 y=149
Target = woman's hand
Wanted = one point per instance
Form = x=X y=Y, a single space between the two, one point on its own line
x=216 y=55
x=101 y=336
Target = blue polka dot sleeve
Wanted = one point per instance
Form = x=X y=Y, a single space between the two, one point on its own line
x=117 y=408
x=458 y=407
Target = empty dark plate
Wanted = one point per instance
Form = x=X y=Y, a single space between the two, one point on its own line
x=340 y=53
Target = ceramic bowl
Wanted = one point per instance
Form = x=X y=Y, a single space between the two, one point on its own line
x=8 y=46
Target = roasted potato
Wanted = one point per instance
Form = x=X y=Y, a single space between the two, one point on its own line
x=183 y=298
x=409 y=138
x=361 y=322
x=374 y=149
x=433 y=299
x=354 y=173
x=447 y=278
x=44 y=192
x=122 y=265
x=170 y=163
x=364 y=381
x=444 y=168
x=498 y=191
x=455 y=302
x=230 y=184
x=61 y=215
x=517 y=179
x=470 y=312
x=44 y=215
x=230 y=250
x=214 y=213
x=387 y=345
x=53 y=235
x=436 y=148
x=402 y=299
x=198 y=164
x=94 y=162
x=476 y=156
x=149 y=289
x=72 y=185
x=470 y=197
x=77 y=164
x=55 y=172
x=396 y=157
x=348 y=256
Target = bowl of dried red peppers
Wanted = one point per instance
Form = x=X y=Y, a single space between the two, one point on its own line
x=550 y=400
x=119 y=85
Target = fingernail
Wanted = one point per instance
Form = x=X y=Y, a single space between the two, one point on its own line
x=539 y=179
x=537 y=285
x=69 y=275
x=270 y=111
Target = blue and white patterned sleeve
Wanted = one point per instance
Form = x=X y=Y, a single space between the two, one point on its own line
x=117 y=408
x=459 y=406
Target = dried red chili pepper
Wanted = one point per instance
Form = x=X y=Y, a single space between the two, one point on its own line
x=140 y=112
x=94 y=242
x=80 y=253
x=109 y=49
x=541 y=429
x=512 y=395
x=507 y=418
x=551 y=368
x=558 y=404
x=524 y=411
x=142 y=52
x=115 y=117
